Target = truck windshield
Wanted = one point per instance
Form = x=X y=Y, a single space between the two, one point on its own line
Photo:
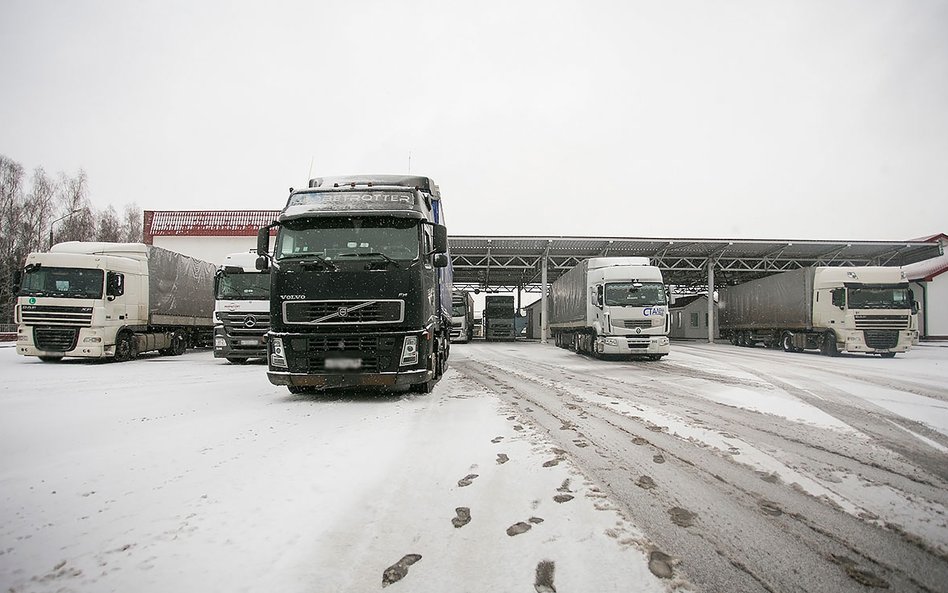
x=879 y=297
x=349 y=237
x=634 y=294
x=72 y=283
x=244 y=287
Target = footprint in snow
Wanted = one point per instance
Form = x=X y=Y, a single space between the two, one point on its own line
x=466 y=480
x=397 y=571
x=496 y=440
x=544 y=579
x=463 y=517
x=502 y=458
x=660 y=564
x=646 y=482
x=682 y=517
x=658 y=459
x=561 y=498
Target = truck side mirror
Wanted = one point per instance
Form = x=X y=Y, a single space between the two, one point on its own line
x=440 y=239
x=839 y=297
x=114 y=285
x=440 y=260
x=263 y=249
x=915 y=307
x=599 y=296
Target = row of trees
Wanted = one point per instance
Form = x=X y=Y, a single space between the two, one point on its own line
x=43 y=209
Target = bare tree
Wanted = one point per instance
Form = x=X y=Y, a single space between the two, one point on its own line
x=133 y=224
x=79 y=224
x=108 y=227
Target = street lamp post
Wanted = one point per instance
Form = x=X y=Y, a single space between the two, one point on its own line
x=64 y=216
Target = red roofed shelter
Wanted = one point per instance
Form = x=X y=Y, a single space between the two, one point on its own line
x=208 y=235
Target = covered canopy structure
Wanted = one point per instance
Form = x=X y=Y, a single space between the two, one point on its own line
x=531 y=263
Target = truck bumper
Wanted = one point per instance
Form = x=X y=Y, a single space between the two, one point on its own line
x=644 y=345
x=875 y=341
x=386 y=380
x=89 y=343
x=243 y=346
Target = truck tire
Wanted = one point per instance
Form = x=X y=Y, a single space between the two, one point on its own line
x=179 y=343
x=787 y=342
x=233 y=360
x=125 y=347
x=50 y=358
x=828 y=347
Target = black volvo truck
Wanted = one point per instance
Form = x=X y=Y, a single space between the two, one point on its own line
x=360 y=285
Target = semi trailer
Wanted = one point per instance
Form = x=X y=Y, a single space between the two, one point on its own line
x=611 y=306
x=360 y=285
x=499 y=318
x=831 y=309
x=241 y=309
x=462 y=316
x=113 y=300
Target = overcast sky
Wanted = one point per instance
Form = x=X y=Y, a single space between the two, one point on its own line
x=818 y=119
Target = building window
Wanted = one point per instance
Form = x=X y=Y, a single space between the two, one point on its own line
x=694 y=319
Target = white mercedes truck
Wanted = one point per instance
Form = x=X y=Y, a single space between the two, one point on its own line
x=611 y=306
x=832 y=309
x=241 y=309
x=112 y=300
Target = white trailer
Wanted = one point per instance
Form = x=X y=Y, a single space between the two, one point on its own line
x=832 y=309
x=112 y=300
x=612 y=306
x=241 y=309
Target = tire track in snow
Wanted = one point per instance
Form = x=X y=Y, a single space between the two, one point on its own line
x=723 y=494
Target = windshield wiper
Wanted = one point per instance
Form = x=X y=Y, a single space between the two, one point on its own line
x=310 y=259
x=370 y=254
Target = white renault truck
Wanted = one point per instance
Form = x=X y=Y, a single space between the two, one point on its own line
x=832 y=309
x=112 y=300
x=241 y=309
x=611 y=306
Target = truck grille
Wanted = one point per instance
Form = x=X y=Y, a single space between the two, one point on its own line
x=344 y=312
x=55 y=339
x=634 y=323
x=55 y=315
x=882 y=339
x=251 y=325
x=882 y=321
x=378 y=353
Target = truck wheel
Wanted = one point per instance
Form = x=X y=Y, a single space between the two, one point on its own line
x=829 y=344
x=125 y=347
x=237 y=360
x=887 y=354
x=179 y=343
x=50 y=358
x=655 y=356
x=787 y=342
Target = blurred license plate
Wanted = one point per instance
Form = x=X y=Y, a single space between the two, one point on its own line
x=249 y=342
x=343 y=364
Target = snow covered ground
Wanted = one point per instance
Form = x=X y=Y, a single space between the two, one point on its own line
x=528 y=468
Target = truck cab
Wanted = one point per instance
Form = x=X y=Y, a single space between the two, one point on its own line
x=360 y=285
x=241 y=309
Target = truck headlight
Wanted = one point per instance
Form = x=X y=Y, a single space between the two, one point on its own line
x=219 y=342
x=277 y=354
x=409 y=351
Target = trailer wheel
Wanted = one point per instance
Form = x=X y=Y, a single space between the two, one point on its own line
x=787 y=342
x=125 y=347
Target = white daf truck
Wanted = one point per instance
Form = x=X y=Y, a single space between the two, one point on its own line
x=831 y=309
x=112 y=300
x=241 y=309
x=611 y=306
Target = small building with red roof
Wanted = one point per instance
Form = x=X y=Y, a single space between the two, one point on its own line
x=929 y=282
x=209 y=235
